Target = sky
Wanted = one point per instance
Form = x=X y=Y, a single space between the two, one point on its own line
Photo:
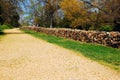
x=26 y=9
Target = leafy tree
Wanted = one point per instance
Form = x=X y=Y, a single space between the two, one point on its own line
x=107 y=14
x=64 y=23
x=113 y=15
x=76 y=12
x=50 y=8
x=1 y=18
x=8 y=13
x=14 y=21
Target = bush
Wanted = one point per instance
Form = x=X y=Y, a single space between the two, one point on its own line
x=5 y=26
x=106 y=28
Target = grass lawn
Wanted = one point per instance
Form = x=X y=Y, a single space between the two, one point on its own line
x=105 y=55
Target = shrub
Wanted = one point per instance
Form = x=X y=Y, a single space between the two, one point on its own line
x=5 y=26
x=106 y=28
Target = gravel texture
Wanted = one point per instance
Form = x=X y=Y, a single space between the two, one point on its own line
x=23 y=57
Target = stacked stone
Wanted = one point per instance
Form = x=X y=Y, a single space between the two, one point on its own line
x=111 y=39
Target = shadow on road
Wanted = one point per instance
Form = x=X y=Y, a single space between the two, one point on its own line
x=2 y=33
x=13 y=33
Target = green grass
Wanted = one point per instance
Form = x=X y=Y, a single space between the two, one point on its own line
x=5 y=26
x=105 y=55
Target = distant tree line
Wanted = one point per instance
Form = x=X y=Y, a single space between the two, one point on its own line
x=76 y=14
x=93 y=14
x=80 y=14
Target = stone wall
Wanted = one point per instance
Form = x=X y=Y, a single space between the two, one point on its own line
x=111 y=39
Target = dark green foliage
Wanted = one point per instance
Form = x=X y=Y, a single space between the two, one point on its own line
x=117 y=24
x=106 y=28
x=2 y=27
x=14 y=21
x=8 y=13
x=99 y=53
x=1 y=19
x=86 y=27
x=65 y=23
x=5 y=26
x=0 y=9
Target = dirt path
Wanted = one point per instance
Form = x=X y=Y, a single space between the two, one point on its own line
x=23 y=57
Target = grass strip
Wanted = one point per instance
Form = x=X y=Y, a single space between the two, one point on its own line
x=105 y=55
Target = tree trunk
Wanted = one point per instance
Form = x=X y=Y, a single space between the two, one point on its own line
x=51 y=22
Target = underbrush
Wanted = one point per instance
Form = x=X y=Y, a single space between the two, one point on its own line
x=4 y=26
x=105 y=55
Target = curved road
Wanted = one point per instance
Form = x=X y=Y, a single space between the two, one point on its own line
x=23 y=57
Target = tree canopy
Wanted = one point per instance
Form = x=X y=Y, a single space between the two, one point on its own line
x=8 y=13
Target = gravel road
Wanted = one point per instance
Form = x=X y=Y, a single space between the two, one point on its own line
x=24 y=57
